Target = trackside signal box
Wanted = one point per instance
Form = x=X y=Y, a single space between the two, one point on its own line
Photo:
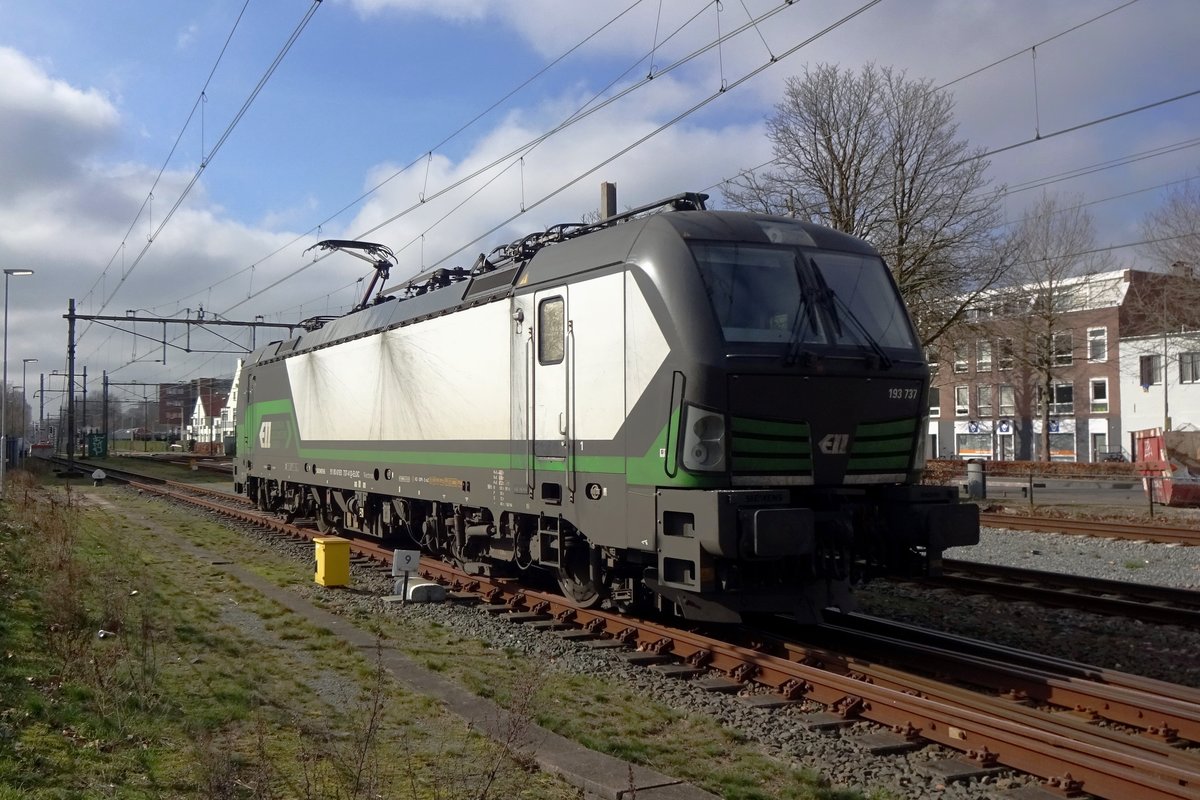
x=333 y=560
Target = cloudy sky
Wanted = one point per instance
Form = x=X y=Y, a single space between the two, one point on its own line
x=422 y=124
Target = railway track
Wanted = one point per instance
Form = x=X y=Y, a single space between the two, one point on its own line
x=1168 y=534
x=1037 y=715
x=1157 y=604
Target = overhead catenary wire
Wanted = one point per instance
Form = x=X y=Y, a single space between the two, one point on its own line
x=593 y=170
x=580 y=115
x=532 y=147
x=171 y=154
x=573 y=120
x=253 y=295
x=972 y=74
x=670 y=123
x=427 y=156
x=274 y=65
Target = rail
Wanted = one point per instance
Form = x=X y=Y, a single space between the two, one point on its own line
x=1063 y=751
x=1158 y=604
x=1170 y=534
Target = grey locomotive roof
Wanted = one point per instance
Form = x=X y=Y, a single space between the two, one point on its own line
x=554 y=263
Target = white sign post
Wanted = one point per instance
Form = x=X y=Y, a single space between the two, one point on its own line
x=404 y=562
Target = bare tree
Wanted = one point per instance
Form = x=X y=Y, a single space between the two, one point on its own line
x=1163 y=325
x=878 y=155
x=1052 y=245
x=1172 y=230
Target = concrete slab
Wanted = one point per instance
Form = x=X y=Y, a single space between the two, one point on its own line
x=604 y=644
x=577 y=635
x=678 y=670
x=884 y=743
x=958 y=769
x=527 y=616
x=644 y=659
x=824 y=721
x=765 y=700
x=495 y=608
x=549 y=625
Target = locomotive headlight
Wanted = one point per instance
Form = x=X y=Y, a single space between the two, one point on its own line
x=703 y=440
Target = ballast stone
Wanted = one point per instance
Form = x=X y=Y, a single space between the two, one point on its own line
x=418 y=592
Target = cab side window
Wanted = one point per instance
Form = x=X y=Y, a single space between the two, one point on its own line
x=551 y=329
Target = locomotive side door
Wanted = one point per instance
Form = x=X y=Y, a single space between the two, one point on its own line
x=549 y=402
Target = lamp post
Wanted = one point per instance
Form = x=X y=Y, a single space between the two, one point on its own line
x=8 y=273
x=25 y=362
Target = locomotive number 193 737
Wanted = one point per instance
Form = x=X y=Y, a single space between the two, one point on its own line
x=901 y=393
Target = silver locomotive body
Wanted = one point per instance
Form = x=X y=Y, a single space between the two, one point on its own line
x=717 y=412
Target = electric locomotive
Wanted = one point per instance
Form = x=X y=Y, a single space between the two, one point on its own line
x=717 y=413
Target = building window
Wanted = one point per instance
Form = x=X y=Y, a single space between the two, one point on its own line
x=1006 y=354
x=1097 y=344
x=1061 y=401
x=1008 y=405
x=931 y=357
x=935 y=401
x=1062 y=350
x=960 y=358
x=1150 y=369
x=983 y=352
x=962 y=400
x=983 y=396
x=1189 y=367
x=1062 y=447
x=1099 y=395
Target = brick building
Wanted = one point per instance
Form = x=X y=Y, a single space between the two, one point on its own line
x=176 y=401
x=988 y=392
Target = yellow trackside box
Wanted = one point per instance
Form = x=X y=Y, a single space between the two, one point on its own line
x=333 y=560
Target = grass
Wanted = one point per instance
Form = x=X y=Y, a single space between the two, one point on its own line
x=206 y=689
x=237 y=670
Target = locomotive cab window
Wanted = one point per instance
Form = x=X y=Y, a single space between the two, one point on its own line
x=772 y=293
x=755 y=292
x=551 y=327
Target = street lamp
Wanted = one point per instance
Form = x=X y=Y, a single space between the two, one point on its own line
x=8 y=273
x=25 y=362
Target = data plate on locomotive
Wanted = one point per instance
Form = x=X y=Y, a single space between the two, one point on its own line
x=755 y=497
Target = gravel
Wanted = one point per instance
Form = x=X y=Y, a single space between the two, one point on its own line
x=1164 y=652
x=1114 y=559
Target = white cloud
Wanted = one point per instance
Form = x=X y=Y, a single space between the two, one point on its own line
x=46 y=126
x=186 y=36
x=681 y=158
x=63 y=212
x=453 y=10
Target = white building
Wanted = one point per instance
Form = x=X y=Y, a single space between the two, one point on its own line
x=228 y=423
x=1154 y=388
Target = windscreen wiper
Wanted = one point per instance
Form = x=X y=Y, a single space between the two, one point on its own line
x=831 y=303
x=806 y=312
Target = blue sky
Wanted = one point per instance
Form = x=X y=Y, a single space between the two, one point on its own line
x=93 y=95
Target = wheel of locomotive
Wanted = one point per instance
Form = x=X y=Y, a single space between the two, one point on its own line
x=575 y=578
